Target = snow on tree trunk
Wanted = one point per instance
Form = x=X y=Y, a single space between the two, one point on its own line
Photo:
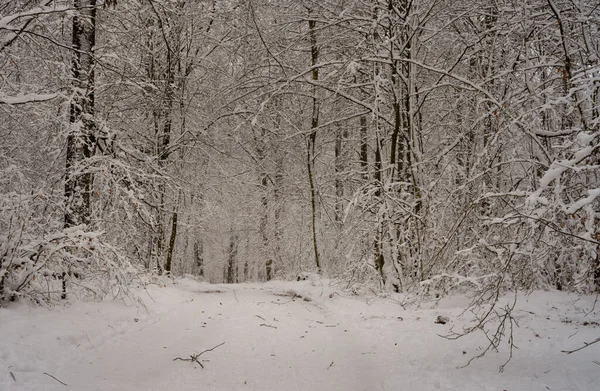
x=81 y=138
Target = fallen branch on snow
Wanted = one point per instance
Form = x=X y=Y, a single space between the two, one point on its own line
x=583 y=347
x=194 y=357
x=47 y=374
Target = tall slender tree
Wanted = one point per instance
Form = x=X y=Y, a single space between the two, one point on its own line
x=81 y=139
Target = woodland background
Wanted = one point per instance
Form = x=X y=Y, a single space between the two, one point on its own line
x=416 y=146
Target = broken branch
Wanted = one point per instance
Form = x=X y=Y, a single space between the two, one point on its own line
x=194 y=357
x=583 y=347
x=211 y=349
x=47 y=374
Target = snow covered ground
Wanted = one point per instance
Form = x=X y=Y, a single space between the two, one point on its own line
x=325 y=339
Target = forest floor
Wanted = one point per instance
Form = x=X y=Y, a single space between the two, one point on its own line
x=291 y=336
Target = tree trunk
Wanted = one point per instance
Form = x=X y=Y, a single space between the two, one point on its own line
x=264 y=199
x=81 y=137
x=378 y=244
x=310 y=147
x=279 y=206
x=596 y=260
x=231 y=269
x=172 y=240
x=199 y=257
x=341 y=135
x=364 y=147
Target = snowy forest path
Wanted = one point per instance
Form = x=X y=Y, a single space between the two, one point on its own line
x=282 y=336
x=273 y=339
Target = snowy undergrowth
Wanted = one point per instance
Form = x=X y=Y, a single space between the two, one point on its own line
x=291 y=336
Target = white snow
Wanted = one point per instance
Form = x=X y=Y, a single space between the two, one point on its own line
x=575 y=206
x=326 y=339
x=26 y=98
x=5 y=21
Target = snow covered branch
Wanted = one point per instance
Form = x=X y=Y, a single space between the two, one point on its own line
x=26 y=98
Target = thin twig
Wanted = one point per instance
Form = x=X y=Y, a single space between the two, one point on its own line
x=583 y=347
x=47 y=374
x=235 y=295
x=260 y=317
x=569 y=337
x=148 y=293
x=285 y=302
x=194 y=357
x=268 y=325
x=593 y=306
x=12 y=375
x=211 y=349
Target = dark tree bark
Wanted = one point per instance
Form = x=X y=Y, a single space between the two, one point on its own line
x=364 y=147
x=279 y=205
x=596 y=261
x=310 y=147
x=378 y=244
x=162 y=73
x=81 y=137
x=264 y=186
x=199 y=257
x=231 y=269
x=341 y=136
x=172 y=240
